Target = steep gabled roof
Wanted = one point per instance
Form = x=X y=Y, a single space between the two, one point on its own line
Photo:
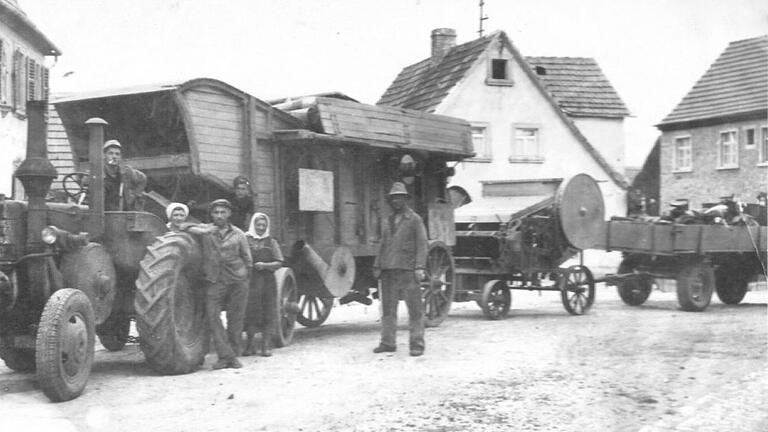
x=422 y=86
x=579 y=86
x=736 y=83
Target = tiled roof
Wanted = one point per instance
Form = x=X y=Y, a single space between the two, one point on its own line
x=422 y=87
x=736 y=83
x=579 y=86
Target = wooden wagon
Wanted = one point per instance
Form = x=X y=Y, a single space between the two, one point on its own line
x=321 y=173
x=702 y=259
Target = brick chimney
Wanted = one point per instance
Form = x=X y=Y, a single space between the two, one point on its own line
x=443 y=39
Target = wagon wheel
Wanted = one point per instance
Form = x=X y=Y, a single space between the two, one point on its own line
x=75 y=185
x=695 y=283
x=634 y=290
x=730 y=284
x=496 y=299
x=313 y=310
x=286 y=307
x=438 y=289
x=577 y=289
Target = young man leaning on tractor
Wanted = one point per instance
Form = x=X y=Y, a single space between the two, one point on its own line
x=226 y=269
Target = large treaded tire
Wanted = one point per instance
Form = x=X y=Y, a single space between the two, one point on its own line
x=731 y=284
x=170 y=305
x=64 y=346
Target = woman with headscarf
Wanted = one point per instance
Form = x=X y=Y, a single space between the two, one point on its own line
x=261 y=315
x=177 y=214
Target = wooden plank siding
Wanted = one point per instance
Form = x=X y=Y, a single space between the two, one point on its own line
x=59 y=150
x=217 y=122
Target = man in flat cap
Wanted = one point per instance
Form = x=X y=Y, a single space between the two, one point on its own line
x=123 y=185
x=400 y=265
x=226 y=269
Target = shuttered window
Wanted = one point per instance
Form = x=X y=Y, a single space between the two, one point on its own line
x=3 y=78
x=18 y=82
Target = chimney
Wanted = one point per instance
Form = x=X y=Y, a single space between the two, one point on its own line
x=443 y=39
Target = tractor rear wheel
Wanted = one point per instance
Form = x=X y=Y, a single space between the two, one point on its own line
x=18 y=359
x=170 y=305
x=64 y=346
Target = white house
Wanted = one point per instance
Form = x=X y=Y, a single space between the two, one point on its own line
x=23 y=77
x=537 y=119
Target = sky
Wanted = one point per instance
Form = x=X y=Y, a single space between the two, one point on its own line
x=652 y=51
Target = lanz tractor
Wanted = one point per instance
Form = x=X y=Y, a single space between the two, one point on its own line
x=67 y=273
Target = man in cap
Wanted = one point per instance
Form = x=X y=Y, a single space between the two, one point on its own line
x=226 y=269
x=123 y=185
x=400 y=265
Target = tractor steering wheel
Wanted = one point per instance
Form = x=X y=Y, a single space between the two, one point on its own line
x=75 y=185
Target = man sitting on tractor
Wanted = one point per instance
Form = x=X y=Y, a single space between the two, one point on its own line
x=123 y=185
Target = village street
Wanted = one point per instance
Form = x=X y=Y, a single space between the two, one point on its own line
x=652 y=368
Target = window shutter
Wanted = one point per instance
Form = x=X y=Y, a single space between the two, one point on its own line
x=16 y=80
x=3 y=79
x=31 y=79
x=46 y=83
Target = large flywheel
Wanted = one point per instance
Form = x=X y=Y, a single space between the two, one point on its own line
x=580 y=209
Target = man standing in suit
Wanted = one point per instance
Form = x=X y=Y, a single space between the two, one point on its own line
x=400 y=265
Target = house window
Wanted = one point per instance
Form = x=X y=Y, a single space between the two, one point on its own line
x=764 y=146
x=499 y=72
x=750 y=137
x=481 y=142
x=728 y=151
x=526 y=146
x=682 y=161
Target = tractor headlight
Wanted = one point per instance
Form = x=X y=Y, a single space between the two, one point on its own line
x=49 y=235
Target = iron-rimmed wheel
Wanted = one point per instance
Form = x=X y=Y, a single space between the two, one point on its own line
x=313 y=310
x=577 y=289
x=286 y=307
x=730 y=284
x=64 y=346
x=634 y=290
x=438 y=289
x=695 y=284
x=18 y=359
x=495 y=299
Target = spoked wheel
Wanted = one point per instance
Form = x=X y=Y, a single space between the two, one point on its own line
x=438 y=289
x=286 y=307
x=313 y=310
x=496 y=299
x=75 y=185
x=64 y=346
x=695 y=283
x=730 y=284
x=634 y=290
x=577 y=289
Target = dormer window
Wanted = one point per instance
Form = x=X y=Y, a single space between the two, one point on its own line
x=499 y=72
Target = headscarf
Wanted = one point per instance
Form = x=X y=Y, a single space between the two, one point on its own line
x=176 y=206
x=252 y=228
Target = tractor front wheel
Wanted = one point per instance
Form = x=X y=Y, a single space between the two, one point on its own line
x=64 y=346
x=170 y=305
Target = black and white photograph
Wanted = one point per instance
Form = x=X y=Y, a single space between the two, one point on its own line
x=383 y=216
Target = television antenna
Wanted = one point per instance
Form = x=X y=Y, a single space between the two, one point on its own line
x=483 y=17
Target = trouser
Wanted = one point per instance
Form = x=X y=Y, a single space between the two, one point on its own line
x=396 y=284
x=235 y=295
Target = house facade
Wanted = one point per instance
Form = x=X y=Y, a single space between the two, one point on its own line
x=715 y=141
x=23 y=77
x=534 y=120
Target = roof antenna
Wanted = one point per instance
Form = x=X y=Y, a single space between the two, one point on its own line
x=483 y=17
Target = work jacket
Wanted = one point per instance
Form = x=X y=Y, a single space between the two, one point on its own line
x=226 y=257
x=403 y=245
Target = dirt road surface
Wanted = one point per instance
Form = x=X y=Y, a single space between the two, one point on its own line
x=652 y=368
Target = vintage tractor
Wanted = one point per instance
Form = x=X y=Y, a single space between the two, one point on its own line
x=67 y=273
